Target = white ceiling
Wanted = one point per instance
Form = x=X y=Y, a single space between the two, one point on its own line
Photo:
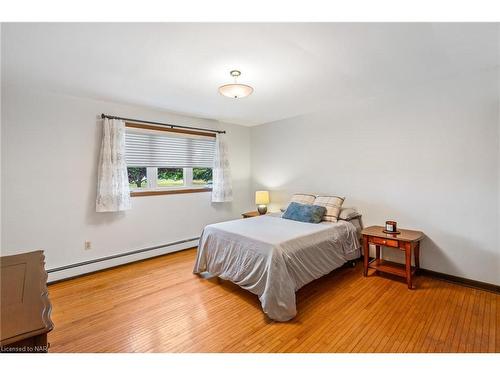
x=295 y=68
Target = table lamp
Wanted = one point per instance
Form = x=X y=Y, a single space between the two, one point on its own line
x=261 y=200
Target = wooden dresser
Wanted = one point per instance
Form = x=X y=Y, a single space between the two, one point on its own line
x=24 y=306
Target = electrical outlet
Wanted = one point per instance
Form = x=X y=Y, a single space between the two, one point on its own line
x=88 y=245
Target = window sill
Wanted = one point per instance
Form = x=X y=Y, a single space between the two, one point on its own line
x=169 y=191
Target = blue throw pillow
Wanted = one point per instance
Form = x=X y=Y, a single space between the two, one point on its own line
x=307 y=213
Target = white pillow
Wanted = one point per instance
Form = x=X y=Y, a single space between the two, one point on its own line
x=303 y=198
x=348 y=213
x=332 y=203
x=300 y=198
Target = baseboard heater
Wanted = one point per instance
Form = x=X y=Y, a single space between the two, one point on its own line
x=133 y=252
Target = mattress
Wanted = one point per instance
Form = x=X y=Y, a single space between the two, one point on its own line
x=274 y=257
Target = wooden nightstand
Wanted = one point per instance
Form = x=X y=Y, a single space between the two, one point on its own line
x=248 y=214
x=407 y=240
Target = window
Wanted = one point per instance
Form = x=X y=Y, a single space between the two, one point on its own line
x=137 y=177
x=202 y=176
x=168 y=177
x=162 y=161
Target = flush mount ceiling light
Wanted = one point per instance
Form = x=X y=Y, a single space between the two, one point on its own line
x=235 y=90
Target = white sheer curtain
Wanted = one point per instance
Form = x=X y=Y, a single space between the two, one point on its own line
x=222 y=189
x=113 y=192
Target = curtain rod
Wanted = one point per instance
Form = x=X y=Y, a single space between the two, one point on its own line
x=162 y=124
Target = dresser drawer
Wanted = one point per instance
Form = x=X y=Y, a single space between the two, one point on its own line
x=384 y=242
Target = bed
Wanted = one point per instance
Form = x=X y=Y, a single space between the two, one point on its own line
x=273 y=257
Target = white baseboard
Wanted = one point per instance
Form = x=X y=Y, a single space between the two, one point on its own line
x=79 y=270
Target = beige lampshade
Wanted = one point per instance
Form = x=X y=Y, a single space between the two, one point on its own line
x=261 y=197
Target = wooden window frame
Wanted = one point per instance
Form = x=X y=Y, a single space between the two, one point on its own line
x=168 y=191
x=166 y=129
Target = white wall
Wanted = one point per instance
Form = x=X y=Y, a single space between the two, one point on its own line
x=498 y=166
x=426 y=157
x=1 y=76
x=50 y=148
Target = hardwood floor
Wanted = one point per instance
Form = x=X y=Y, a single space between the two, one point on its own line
x=158 y=305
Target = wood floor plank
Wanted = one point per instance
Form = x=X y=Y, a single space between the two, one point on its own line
x=381 y=327
x=372 y=330
x=453 y=319
x=478 y=325
x=496 y=339
x=348 y=325
x=159 y=305
x=448 y=315
x=405 y=311
x=486 y=324
x=462 y=346
x=461 y=326
x=436 y=325
x=492 y=324
x=415 y=320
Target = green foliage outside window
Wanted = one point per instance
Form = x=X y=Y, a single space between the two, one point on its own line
x=168 y=177
x=136 y=176
x=174 y=174
x=202 y=175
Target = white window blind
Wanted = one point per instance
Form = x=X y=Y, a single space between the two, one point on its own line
x=164 y=149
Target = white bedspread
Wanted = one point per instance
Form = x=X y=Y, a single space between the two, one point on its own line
x=274 y=257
